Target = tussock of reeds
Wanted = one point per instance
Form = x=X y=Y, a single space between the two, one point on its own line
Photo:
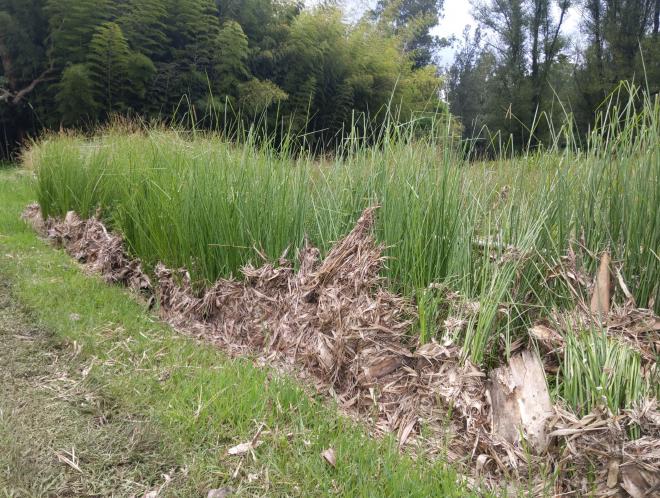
x=467 y=268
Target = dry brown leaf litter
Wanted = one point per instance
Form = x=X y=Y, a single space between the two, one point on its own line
x=335 y=319
x=89 y=242
x=635 y=327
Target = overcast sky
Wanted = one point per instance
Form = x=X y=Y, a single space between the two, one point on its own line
x=456 y=16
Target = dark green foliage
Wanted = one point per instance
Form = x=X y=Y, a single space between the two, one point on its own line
x=143 y=24
x=616 y=31
x=73 y=24
x=252 y=15
x=230 y=64
x=140 y=70
x=213 y=63
x=231 y=61
x=23 y=66
x=257 y=96
x=108 y=66
x=329 y=70
x=513 y=86
x=508 y=89
x=75 y=96
x=467 y=92
x=412 y=21
x=23 y=29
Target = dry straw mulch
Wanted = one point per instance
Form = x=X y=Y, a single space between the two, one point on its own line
x=333 y=321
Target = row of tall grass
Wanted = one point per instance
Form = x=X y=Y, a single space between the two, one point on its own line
x=488 y=229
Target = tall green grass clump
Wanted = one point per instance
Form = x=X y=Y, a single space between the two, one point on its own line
x=491 y=230
x=598 y=370
x=203 y=204
x=213 y=206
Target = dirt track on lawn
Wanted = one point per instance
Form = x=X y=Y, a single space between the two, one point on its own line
x=59 y=435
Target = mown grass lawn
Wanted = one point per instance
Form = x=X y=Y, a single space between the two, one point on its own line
x=186 y=401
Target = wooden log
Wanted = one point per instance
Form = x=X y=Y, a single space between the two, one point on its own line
x=600 y=298
x=520 y=400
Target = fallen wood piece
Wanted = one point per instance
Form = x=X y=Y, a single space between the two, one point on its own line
x=600 y=298
x=520 y=401
x=630 y=299
x=549 y=338
x=612 y=473
x=382 y=367
x=329 y=456
x=639 y=482
x=243 y=448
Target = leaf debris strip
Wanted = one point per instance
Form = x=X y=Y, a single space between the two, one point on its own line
x=335 y=318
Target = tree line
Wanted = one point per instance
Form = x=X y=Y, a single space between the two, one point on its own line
x=519 y=70
x=75 y=63
x=308 y=72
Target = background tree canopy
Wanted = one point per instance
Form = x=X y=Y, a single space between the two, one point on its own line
x=216 y=63
x=518 y=66
x=77 y=62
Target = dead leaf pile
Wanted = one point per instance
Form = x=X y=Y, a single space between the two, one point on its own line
x=89 y=242
x=638 y=328
x=335 y=319
x=600 y=442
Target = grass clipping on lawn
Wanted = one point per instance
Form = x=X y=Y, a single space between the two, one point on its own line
x=333 y=322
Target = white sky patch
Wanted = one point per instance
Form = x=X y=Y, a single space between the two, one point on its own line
x=456 y=15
